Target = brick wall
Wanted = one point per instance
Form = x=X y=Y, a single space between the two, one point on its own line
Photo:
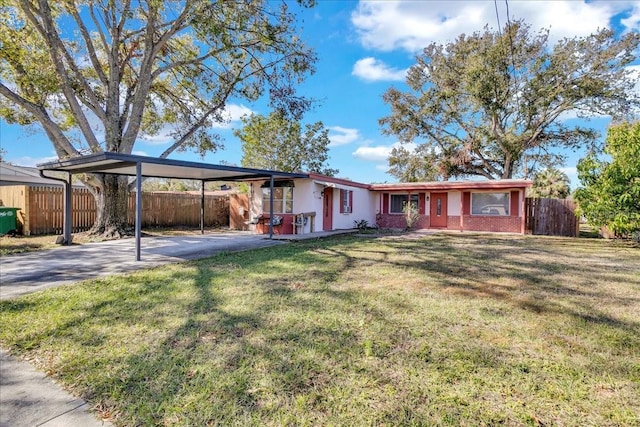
x=398 y=221
x=453 y=222
x=492 y=223
x=510 y=224
x=285 y=228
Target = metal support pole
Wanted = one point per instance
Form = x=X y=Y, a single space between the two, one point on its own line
x=138 y=208
x=202 y=208
x=68 y=206
x=271 y=207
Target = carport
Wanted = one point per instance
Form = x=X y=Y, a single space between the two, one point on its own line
x=153 y=167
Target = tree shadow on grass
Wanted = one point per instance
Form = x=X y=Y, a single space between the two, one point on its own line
x=244 y=338
x=228 y=359
x=481 y=267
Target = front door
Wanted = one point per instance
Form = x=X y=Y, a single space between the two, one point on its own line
x=438 y=210
x=327 y=209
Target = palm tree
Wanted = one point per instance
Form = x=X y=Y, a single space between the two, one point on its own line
x=550 y=183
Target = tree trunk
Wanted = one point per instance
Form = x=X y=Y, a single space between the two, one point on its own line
x=111 y=207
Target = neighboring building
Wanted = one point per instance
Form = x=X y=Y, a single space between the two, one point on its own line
x=23 y=175
x=16 y=183
x=321 y=203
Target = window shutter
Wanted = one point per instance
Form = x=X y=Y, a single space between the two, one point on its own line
x=385 y=203
x=341 y=201
x=466 y=203
x=421 y=203
x=515 y=198
x=350 y=201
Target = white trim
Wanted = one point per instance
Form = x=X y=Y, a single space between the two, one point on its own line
x=333 y=185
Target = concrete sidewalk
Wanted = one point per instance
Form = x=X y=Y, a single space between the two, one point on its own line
x=30 y=398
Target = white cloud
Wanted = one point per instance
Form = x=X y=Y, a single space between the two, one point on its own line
x=371 y=69
x=139 y=153
x=161 y=138
x=412 y=25
x=342 y=136
x=572 y=174
x=632 y=22
x=379 y=153
x=233 y=113
x=634 y=76
x=373 y=154
x=31 y=161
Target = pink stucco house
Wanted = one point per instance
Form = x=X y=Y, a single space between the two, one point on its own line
x=319 y=203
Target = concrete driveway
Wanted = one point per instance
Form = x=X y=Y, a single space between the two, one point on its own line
x=25 y=273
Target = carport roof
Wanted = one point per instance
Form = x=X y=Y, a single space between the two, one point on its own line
x=125 y=164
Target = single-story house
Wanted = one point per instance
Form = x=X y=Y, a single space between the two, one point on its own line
x=321 y=203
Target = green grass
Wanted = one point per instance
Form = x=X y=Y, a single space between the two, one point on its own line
x=21 y=244
x=454 y=329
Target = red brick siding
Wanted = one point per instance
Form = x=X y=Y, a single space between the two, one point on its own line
x=453 y=222
x=398 y=221
x=510 y=224
x=285 y=228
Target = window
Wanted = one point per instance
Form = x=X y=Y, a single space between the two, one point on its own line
x=490 y=204
x=346 y=201
x=282 y=200
x=399 y=201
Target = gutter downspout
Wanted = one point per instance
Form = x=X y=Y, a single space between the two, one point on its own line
x=271 y=207
x=66 y=223
x=202 y=207
x=138 y=208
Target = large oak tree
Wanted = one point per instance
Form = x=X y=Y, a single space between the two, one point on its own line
x=490 y=102
x=98 y=75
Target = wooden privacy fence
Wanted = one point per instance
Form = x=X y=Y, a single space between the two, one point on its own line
x=42 y=209
x=551 y=217
x=172 y=209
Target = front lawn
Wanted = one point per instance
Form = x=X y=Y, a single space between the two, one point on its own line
x=449 y=329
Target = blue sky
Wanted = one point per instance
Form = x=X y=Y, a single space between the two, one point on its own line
x=363 y=49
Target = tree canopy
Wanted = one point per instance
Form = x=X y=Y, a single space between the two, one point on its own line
x=610 y=191
x=550 y=183
x=99 y=75
x=492 y=101
x=418 y=165
x=275 y=142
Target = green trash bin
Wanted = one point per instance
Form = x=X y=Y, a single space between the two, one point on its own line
x=8 y=219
